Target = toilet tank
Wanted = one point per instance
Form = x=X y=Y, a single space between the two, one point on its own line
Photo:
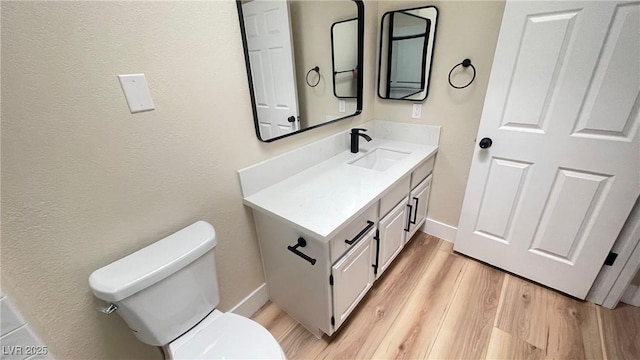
x=166 y=288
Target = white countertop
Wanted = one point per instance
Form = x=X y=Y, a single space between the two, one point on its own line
x=322 y=199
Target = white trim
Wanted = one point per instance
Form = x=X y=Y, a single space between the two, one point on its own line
x=632 y=295
x=628 y=271
x=612 y=281
x=252 y=303
x=440 y=230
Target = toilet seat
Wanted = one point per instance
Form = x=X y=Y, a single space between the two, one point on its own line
x=226 y=336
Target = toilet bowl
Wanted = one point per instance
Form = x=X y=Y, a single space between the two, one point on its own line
x=225 y=336
x=167 y=294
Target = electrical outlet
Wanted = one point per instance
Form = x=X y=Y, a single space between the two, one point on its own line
x=342 y=105
x=417 y=111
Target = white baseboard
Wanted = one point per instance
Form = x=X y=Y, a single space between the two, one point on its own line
x=440 y=230
x=254 y=301
x=632 y=296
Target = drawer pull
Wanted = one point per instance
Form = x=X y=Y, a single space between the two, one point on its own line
x=409 y=218
x=361 y=233
x=294 y=249
x=415 y=214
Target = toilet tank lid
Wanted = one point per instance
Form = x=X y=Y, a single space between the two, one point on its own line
x=145 y=267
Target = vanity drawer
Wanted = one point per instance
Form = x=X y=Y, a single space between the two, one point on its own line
x=360 y=226
x=421 y=172
x=392 y=197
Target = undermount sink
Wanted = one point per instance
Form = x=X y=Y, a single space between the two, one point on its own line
x=379 y=159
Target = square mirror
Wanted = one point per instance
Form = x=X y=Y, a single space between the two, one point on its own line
x=406 y=53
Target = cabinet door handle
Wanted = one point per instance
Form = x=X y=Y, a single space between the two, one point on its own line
x=409 y=218
x=377 y=239
x=294 y=249
x=361 y=233
x=415 y=214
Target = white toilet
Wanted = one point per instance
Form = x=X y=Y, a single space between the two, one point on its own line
x=167 y=294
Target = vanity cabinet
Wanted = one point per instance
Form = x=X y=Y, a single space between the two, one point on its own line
x=328 y=224
x=318 y=282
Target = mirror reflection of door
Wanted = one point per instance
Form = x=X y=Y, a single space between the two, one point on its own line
x=268 y=35
x=283 y=41
x=408 y=42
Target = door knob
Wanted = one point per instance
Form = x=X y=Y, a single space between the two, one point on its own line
x=485 y=143
x=291 y=119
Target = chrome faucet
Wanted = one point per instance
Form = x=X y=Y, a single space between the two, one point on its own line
x=355 y=138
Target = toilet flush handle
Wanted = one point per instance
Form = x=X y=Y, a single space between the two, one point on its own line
x=108 y=309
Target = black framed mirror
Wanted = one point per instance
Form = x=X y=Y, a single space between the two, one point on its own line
x=290 y=64
x=407 y=38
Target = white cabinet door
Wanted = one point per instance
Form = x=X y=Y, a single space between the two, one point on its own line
x=548 y=196
x=352 y=278
x=391 y=235
x=418 y=199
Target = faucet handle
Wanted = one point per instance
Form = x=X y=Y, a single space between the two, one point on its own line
x=357 y=130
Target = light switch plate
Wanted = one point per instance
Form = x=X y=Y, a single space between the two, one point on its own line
x=417 y=111
x=342 y=106
x=136 y=90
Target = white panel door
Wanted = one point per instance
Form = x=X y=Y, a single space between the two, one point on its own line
x=268 y=32
x=391 y=235
x=352 y=278
x=547 y=200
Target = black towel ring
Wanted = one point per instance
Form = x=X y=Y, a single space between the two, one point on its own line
x=317 y=70
x=465 y=63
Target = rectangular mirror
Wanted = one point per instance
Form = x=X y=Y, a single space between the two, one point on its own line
x=290 y=65
x=344 y=56
x=406 y=52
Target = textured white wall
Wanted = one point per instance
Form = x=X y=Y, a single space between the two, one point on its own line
x=84 y=182
x=466 y=29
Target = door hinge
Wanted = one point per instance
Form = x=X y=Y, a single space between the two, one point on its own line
x=331 y=279
x=333 y=321
x=611 y=258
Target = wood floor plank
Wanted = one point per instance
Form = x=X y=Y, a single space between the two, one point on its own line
x=299 y=343
x=275 y=320
x=446 y=246
x=573 y=329
x=503 y=345
x=361 y=335
x=523 y=311
x=591 y=336
x=468 y=324
x=621 y=332
x=414 y=331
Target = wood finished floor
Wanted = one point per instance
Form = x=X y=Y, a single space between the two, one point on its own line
x=435 y=304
